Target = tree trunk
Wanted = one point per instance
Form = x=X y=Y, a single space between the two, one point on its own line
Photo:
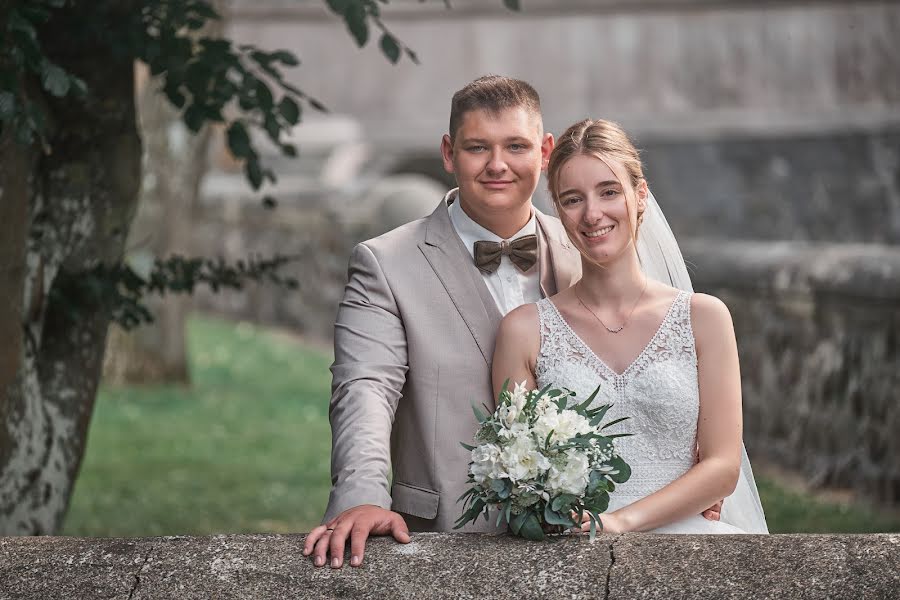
x=80 y=199
x=173 y=166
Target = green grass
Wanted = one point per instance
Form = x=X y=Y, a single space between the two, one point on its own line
x=246 y=449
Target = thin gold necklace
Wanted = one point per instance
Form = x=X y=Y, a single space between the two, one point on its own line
x=625 y=322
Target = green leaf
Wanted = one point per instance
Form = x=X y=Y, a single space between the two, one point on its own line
x=390 y=48
x=478 y=414
x=467 y=446
x=286 y=58
x=317 y=105
x=562 y=501
x=355 y=17
x=253 y=172
x=78 y=86
x=7 y=104
x=338 y=7
x=290 y=110
x=54 y=79
x=584 y=405
x=269 y=203
x=264 y=95
x=552 y=517
x=194 y=117
x=624 y=471
x=614 y=422
x=239 y=141
x=515 y=524
x=531 y=528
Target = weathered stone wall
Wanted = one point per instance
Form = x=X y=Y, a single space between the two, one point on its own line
x=818 y=329
x=437 y=566
x=676 y=66
x=318 y=228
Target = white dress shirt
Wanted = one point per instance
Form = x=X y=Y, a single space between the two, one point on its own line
x=509 y=286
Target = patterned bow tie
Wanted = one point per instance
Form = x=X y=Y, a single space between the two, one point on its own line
x=521 y=251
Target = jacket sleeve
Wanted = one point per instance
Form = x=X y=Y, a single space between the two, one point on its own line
x=368 y=374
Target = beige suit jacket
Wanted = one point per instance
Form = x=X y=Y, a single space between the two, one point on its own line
x=413 y=342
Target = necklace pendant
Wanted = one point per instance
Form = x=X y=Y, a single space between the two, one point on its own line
x=616 y=330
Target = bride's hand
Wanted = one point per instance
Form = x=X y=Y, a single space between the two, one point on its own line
x=611 y=524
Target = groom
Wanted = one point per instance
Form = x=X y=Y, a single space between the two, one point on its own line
x=415 y=331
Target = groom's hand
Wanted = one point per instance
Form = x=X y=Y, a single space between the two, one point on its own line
x=357 y=523
x=714 y=512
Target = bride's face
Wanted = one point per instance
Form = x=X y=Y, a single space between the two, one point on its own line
x=599 y=206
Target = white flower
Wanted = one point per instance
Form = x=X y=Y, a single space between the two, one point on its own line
x=564 y=425
x=515 y=430
x=572 y=478
x=519 y=396
x=543 y=405
x=521 y=459
x=485 y=462
x=508 y=414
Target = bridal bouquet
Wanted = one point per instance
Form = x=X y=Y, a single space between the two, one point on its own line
x=542 y=462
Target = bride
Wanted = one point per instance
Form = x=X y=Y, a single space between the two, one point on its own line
x=662 y=355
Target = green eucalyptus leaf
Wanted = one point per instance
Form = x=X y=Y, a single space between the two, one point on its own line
x=531 y=528
x=517 y=521
x=551 y=517
x=623 y=471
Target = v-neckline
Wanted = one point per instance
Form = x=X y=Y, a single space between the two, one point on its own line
x=640 y=355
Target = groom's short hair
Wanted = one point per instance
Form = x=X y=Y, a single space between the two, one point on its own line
x=492 y=93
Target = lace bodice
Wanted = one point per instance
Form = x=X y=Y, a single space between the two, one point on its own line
x=659 y=391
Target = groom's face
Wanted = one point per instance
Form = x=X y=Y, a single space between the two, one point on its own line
x=497 y=159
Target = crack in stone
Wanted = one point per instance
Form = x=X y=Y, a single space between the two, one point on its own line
x=137 y=575
x=612 y=561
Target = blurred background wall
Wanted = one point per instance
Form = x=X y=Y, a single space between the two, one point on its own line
x=771 y=137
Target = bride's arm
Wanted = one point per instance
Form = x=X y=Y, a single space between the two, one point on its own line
x=516 y=348
x=719 y=429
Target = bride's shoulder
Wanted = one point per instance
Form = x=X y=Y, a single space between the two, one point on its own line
x=709 y=316
x=521 y=321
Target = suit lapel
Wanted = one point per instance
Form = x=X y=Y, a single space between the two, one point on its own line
x=453 y=266
x=559 y=259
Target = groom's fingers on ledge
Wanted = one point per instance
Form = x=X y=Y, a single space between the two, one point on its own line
x=358 y=537
x=338 y=541
x=311 y=538
x=400 y=530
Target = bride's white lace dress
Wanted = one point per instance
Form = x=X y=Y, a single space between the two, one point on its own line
x=659 y=391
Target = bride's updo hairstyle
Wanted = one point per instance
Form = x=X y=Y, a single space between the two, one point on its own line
x=604 y=140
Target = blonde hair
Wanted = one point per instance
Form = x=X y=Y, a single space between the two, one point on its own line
x=601 y=139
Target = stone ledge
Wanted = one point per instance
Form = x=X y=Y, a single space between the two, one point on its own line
x=456 y=566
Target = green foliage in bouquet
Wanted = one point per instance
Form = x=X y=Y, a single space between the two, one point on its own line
x=543 y=461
